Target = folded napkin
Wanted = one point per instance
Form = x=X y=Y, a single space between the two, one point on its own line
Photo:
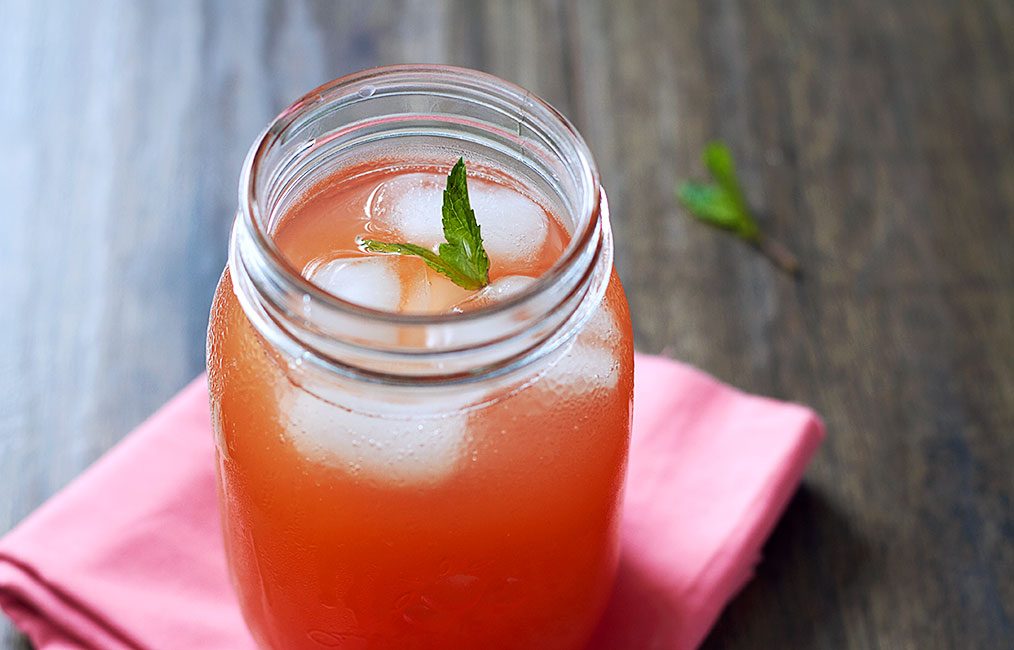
x=130 y=555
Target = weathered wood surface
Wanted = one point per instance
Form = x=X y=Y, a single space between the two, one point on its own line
x=877 y=136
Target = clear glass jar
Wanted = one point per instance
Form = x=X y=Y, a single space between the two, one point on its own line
x=393 y=480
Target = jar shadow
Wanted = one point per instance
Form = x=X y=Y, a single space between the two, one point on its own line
x=814 y=566
x=815 y=569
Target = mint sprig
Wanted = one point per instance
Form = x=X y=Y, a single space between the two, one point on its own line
x=722 y=204
x=461 y=257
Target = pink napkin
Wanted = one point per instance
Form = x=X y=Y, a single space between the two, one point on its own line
x=129 y=555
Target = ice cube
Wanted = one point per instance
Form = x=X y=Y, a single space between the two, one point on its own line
x=441 y=337
x=498 y=290
x=416 y=297
x=416 y=440
x=430 y=292
x=409 y=208
x=590 y=363
x=514 y=227
x=367 y=281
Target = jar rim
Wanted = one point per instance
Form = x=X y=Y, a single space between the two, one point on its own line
x=334 y=91
x=487 y=115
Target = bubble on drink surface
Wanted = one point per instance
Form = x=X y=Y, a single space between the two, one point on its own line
x=418 y=439
x=409 y=208
x=367 y=281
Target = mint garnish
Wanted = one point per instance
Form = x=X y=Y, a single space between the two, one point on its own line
x=721 y=204
x=461 y=257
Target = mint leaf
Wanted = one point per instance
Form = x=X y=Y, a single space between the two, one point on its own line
x=432 y=260
x=464 y=238
x=722 y=204
x=719 y=162
x=461 y=257
x=712 y=204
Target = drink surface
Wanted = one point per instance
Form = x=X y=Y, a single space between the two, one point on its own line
x=479 y=517
x=396 y=202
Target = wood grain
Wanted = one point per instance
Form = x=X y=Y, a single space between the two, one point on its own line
x=875 y=137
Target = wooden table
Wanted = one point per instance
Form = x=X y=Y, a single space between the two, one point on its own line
x=877 y=137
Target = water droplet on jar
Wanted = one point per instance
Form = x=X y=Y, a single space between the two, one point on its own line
x=418 y=613
x=337 y=639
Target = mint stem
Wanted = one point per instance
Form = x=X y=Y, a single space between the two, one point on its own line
x=775 y=251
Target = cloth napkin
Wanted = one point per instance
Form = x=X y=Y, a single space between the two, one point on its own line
x=129 y=555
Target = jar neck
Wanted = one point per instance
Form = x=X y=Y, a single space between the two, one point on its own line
x=416 y=111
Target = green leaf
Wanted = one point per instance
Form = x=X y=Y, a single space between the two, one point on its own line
x=461 y=230
x=722 y=204
x=711 y=204
x=461 y=257
x=432 y=260
x=720 y=163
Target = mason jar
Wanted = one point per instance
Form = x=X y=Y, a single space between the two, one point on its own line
x=420 y=480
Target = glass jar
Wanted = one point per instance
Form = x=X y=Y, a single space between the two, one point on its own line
x=393 y=480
